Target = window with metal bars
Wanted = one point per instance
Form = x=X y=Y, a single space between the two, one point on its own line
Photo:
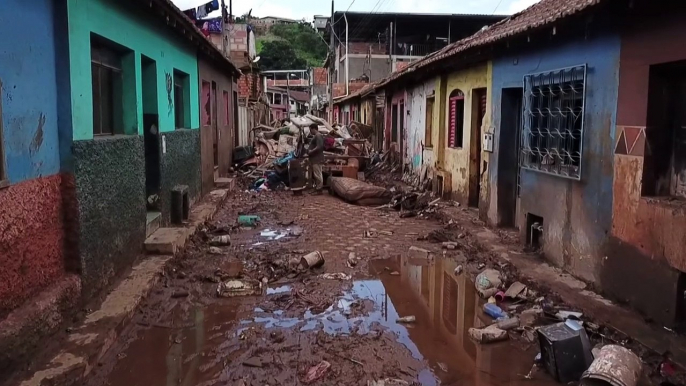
x=181 y=102
x=106 y=76
x=456 y=119
x=553 y=127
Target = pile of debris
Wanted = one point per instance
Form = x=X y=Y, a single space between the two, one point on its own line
x=564 y=336
x=276 y=160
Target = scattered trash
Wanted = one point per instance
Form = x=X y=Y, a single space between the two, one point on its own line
x=295 y=231
x=443 y=367
x=395 y=273
x=237 y=288
x=481 y=266
x=487 y=283
x=216 y=251
x=515 y=289
x=458 y=270
x=488 y=334
x=508 y=324
x=500 y=296
x=450 y=245
x=667 y=368
x=494 y=311
x=531 y=316
x=221 y=240
x=180 y=294
x=386 y=233
x=419 y=253
x=316 y=372
x=388 y=382
x=616 y=366
x=352 y=260
x=564 y=315
x=370 y=234
x=566 y=350
x=253 y=362
x=406 y=319
x=312 y=260
x=248 y=220
x=336 y=276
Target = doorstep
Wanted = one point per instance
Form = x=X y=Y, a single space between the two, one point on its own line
x=87 y=343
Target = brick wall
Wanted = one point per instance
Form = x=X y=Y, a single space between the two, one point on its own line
x=249 y=85
x=339 y=88
x=321 y=76
x=363 y=48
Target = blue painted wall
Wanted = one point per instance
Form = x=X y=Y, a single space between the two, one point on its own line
x=29 y=89
x=577 y=214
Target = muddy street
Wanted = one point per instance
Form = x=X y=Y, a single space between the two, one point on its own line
x=342 y=316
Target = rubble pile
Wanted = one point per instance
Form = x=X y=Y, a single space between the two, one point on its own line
x=277 y=158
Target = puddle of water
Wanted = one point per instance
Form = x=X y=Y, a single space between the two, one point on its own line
x=445 y=307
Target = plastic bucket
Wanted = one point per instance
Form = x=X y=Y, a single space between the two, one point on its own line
x=616 y=366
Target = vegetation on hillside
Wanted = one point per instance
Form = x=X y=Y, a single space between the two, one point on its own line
x=291 y=46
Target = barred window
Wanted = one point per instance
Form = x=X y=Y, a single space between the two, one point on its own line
x=553 y=129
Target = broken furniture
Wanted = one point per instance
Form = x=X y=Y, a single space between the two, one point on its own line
x=565 y=350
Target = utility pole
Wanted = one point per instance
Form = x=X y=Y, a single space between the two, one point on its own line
x=332 y=59
x=225 y=34
x=288 y=94
x=230 y=11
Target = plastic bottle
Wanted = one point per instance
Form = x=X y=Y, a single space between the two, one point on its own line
x=494 y=311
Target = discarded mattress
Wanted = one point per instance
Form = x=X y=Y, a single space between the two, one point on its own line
x=358 y=192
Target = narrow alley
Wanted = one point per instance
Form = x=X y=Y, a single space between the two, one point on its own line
x=184 y=334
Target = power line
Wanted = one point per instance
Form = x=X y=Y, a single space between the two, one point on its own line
x=496 y=7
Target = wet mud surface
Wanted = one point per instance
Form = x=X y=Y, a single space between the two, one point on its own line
x=294 y=319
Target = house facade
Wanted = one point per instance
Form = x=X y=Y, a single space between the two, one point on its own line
x=645 y=264
x=98 y=123
x=567 y=127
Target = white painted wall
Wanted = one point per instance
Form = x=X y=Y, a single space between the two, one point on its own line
x=416 y=154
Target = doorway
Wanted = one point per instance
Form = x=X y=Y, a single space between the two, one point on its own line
x=235 y=120
x=479 y=99
x=401 y=133
x=151 y=133
x=509 y=156
x=215 y=128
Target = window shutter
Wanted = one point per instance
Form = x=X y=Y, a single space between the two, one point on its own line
x=452 y=123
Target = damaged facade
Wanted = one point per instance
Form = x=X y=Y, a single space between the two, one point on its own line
x=561 y=122
x=86 y=176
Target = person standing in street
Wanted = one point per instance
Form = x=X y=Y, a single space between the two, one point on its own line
x=315 y=153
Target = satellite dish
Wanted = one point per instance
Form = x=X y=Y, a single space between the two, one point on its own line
x=257 y=59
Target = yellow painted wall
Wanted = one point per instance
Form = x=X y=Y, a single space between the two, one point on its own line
x=368 y=109
x=456 y=160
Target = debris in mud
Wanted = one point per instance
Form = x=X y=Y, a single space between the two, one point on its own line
x=253 y=362
x=508 y=324
x=458 y=270
x=616 y=365
x=312 y=260
x=488 y=282
x=352 y=260
x=419 y=253
x=564 y=315
x=221 y=240
x=216 y=251
x=237 y=288
x=395 y=273
x=407 y=319
x=180 y=294
x=515 y=289
x=316 y=372
x=450 y=245
x=488 y=334
x=249 y=221
x=566 y=350
x=494 y=311
x=388 y=382
x=336 y=276
x=531 y=316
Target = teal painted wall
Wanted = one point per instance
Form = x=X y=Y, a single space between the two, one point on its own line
x=133 y=29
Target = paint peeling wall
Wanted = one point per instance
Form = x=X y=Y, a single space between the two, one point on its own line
x=141 y=35
x=32 y=236
x=416 y=154
x=644 y=266
x=577 y=214
x=456 y=161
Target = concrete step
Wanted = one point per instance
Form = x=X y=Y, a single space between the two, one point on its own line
x=225 y=183
x=153 y=223
x=168 y=241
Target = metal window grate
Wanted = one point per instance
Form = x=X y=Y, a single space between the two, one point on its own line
x=552 y=134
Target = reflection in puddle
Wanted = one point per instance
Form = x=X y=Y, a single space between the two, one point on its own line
x=445 y=307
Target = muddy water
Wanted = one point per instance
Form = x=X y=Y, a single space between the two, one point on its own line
x=207 y=346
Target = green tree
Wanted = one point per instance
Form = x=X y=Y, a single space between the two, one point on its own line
x=280 y=55
x=303 y=39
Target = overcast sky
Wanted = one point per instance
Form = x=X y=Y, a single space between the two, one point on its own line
x=299 y=9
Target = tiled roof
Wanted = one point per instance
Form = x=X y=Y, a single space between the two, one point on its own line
x=356 y=94
x=538 y=15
